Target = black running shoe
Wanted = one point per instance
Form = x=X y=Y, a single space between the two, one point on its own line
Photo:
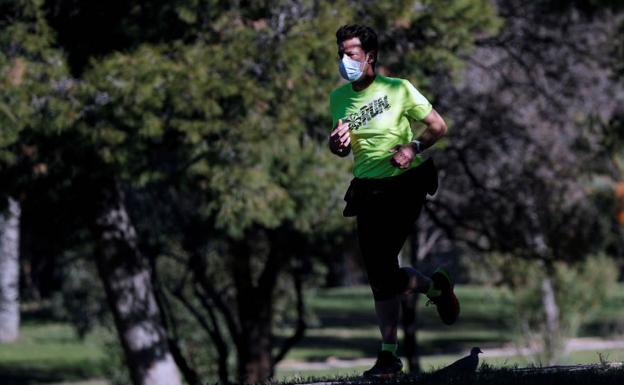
x=445 y=300
x=388 y=365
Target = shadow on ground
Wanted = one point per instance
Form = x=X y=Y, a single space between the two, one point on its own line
x=582 y=375
x=16 y=374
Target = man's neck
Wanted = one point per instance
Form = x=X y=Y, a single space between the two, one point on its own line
x=364 y=81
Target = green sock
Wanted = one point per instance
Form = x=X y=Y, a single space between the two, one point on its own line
x=392 y=348
x=432 y=292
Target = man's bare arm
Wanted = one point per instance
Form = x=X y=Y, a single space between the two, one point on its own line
x=436 y=128
x=405 y=153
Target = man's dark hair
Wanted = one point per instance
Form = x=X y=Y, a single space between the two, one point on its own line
x=367 y=36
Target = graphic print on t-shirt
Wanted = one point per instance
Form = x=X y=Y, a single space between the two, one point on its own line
x=379 y=119
x=368 y=112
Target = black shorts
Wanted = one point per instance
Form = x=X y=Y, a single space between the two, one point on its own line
x=386 y=210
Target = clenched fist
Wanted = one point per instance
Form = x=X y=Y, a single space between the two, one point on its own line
x=339 y=139
x=403 y=155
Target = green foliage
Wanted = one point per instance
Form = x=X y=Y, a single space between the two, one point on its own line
x=36 y=95
x=581 y=290
x=201 y=111
x=81 y=300
x=426 y=38
x=584 y=288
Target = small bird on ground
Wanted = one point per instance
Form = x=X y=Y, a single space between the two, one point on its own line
x=468 y=364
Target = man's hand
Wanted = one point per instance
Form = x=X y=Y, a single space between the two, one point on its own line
x=403 y=155
x=339 y=139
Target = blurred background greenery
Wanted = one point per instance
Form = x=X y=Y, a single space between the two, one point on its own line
x=170 y=211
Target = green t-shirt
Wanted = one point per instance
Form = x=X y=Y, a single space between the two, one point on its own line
x=378 y=120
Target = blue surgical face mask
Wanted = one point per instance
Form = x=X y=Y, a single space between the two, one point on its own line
x=350 y=69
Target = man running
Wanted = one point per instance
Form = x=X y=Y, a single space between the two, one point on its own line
x=391 y=180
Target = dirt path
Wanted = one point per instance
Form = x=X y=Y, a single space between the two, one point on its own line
x=573 y=345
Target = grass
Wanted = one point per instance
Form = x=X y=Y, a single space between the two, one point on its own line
x=342 y=324
x=488 y=376
x=432 y=363
x=344 y=327
x=50 y=352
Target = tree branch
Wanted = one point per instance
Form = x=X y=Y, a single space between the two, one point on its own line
x=220 y=341
x=450 y=232
x=213 y=331
x=190 y=375
x=275 y=261
x=211 y=292
x=301 y=324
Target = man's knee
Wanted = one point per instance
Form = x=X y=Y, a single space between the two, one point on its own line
x=390 y=286
x=382 y=293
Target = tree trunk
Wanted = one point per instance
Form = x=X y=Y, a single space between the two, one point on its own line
x=126 y=279
x=255 y=362
x=409 y=304
x=9 y=273
x=255 y=305
x=254 y=308
x=552 y=332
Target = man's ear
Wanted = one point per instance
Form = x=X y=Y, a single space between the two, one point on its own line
x=372 y=57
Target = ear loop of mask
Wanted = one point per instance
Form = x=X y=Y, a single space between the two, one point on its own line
x=366 y=60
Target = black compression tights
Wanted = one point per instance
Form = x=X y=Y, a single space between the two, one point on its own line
x=383 y=225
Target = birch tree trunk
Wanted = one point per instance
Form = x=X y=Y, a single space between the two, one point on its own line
x=552 y=336
x=9 y=272
x=126 y=279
